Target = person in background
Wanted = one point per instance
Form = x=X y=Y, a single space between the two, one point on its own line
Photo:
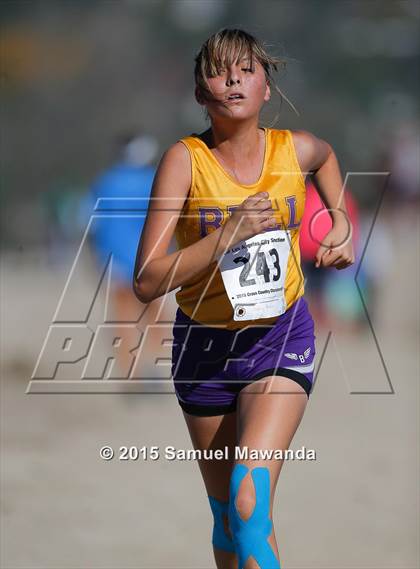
x=333 y=297
x=120 y=196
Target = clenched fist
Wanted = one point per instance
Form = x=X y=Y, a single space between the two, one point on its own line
x=253 y=216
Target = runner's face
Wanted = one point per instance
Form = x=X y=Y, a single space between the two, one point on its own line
x=239 y=91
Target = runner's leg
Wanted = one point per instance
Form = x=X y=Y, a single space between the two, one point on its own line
x=213 y=433
x=268 y=414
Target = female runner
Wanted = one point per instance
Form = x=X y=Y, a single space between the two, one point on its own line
x=243 y=352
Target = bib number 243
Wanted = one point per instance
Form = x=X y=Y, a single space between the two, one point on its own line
x=261 y=267
x=253 y=272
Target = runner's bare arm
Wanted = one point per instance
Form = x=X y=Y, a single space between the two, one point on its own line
x=156 y=272
x=317 y=158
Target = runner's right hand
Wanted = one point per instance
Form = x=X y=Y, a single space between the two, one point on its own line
x=253 y=216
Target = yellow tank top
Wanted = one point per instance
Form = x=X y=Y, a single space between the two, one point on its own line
x=212 y=197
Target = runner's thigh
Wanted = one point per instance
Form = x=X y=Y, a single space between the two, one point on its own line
x=214 y=432
x=269 y=413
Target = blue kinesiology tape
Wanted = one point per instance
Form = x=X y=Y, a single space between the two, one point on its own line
x=251 y=536
x=220 y=538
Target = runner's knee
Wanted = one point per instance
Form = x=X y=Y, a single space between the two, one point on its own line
x=221 y=537
x=250 y=532
x=245 y=503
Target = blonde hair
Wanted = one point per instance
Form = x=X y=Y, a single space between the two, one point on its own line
x=226 y=47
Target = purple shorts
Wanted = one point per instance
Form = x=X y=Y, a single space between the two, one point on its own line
x=211 y=365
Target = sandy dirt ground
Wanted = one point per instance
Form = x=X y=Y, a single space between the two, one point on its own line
x=356 y=506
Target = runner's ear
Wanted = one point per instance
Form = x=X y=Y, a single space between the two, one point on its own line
x=267 y=95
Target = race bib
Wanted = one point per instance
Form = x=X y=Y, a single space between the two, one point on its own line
x=254 y=273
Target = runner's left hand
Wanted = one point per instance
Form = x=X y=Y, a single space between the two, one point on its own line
x=336 y=249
